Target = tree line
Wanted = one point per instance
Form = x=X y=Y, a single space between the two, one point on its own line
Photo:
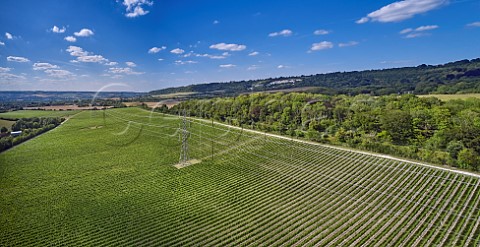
x=30 y=128
x=455 y=77
x=426 y=129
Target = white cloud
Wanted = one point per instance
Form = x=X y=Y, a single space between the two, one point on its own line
x=161 y=59
x=406 y=30
x=253 y=53
x=138 y=11
x=84 y=56
x=92 y=59
x=321 y=32
x=177 y=51
x=76 y=51
x=111 y=63
x=11 y=77
x=402 y=10
x=56 y=29
x=347 y=44
x=474 y=24
x=418 y=32
x=70 y=39
x=44 y=66
x=193 y=54
x=228 y=47
x=3 y=69
x=126 y=70
x=85 y=32
x=17 y=59
x=426 y=28
x=321 y=46
x=281 y=66
x=216 y=22
x=59 y=73
x=131 y=64
x=8 y=36
x=135 y=7
x=415 y=35
x=180 y=62
x=1 y=43
x=156 y=49
x=284 y=33
x=227 y=66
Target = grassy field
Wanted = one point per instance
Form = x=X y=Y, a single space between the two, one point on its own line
x=447 y=97
x=108 y=178
x=36 y=113
x=6 y=123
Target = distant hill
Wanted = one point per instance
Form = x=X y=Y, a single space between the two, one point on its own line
x=455 y=77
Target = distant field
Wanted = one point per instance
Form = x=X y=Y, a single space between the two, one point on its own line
x=447 y=97
x=153 y=104
x=175 y=95
x=66 y=107
x=108 y=178
x=36 y=113
x=6 y=123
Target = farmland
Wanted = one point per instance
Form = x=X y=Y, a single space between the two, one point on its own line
x=108 y=177
x=35 y=113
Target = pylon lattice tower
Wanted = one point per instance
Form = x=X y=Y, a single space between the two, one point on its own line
x=184 y=134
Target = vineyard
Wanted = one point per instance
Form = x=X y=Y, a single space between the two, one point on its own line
x=109 y=178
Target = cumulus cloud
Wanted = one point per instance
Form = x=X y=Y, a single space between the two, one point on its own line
x=111 y=63
x=11 y=77
x=228 y=47
x=415 y=35
x=1 y=43
x=126 y=70
x=156 y=49
x=474 y=24
x=59 y=73
x=321 y=46
x=253 y=53
x=131 y=64
x=8 y=36
x=92 y=59
x=17 y=59
x=284 y=33
x=193 y=54
x=402 y=10
x=85 y=32
x=70 y=39
x=347 y=44
x=135 y=7
x=216 y=22
x=177 y=51
x=44 y=66
x=227 y=66
x=281 y=66
x=76 y=51
x=56 y=29
x=180 y=62
x=321 y=32
x=3 y=69
x=84 y=56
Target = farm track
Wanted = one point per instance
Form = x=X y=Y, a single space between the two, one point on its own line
x=255 y=189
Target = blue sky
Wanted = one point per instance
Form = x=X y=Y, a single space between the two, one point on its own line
x=142 y=45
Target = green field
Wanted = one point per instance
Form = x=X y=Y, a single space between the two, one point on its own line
x=447 y=97
x=36 y=113
x=6 y=123
x=107 y=178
